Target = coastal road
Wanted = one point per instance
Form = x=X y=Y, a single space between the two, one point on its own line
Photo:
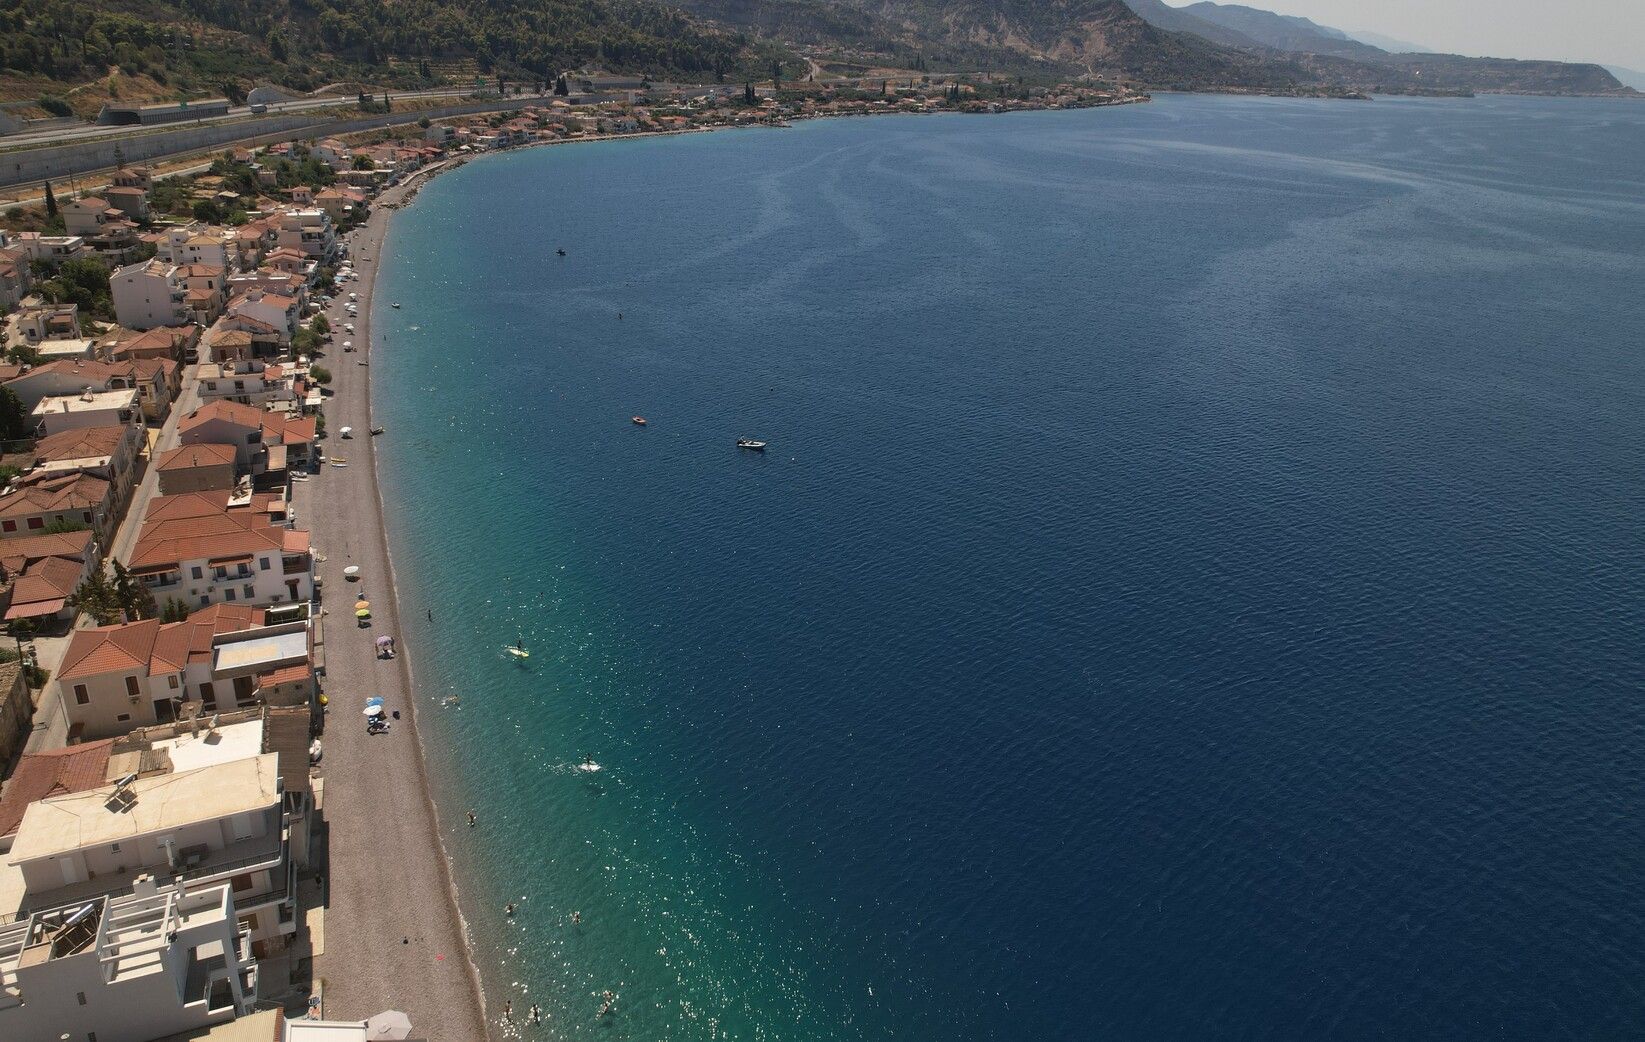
x=394 y=939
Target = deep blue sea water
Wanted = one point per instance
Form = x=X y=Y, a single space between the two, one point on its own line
x=1194 y=590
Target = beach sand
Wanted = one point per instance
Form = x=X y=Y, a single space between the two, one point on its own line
x=394 y=938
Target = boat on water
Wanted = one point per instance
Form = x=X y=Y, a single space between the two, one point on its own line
x=395 y=304
x=750 y=444
x=639 y=421
x=378 y=430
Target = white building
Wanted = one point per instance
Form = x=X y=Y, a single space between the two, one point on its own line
x=205 y=548
x=135 y=909
x=116 y=408
x=148 y=294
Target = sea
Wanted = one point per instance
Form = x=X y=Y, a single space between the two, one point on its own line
x=1194 y=587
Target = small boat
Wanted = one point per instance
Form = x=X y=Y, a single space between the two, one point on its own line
x=751 y=444
x=396 y=304
x=639 y=421
x=561 y=252
x=378 y=430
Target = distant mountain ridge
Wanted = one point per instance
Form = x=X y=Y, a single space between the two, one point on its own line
x=1336 y=57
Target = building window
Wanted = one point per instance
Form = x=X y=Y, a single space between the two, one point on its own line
x=8 y=526
x=263 y=564
x=82 y=697
x=228 y=594
x=197 y=573
x=173 y=681
x=37 y=522
x=251 y=593
x=131 y=687
x=82 y=997
x=124 y=718
x=86 y=516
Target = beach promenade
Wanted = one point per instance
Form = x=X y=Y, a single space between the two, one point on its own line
x=393 y=937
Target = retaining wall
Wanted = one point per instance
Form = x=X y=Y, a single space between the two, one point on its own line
x=31 y=165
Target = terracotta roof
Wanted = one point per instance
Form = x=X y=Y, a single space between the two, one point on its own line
x=230 y=338
x=81 y=443
x=44 y=588
x=200 y=526
x=124 y=647
x=150 y=647
x=286 y=675
x=187 y=457
x=71 y=492
x=52 y=773
x=17 y=554
x=247 y=416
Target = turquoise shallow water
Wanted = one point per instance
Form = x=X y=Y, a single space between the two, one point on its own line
x=1194 y=589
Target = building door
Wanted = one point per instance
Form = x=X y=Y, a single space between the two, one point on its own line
x=165 y=711
x=208 y=697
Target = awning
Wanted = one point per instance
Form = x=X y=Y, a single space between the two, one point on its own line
x=35 y=609
x=235 y=559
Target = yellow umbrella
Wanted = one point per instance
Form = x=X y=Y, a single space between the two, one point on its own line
x=363 y=613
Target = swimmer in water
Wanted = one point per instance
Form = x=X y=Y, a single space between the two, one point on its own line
x=576 y=918
x=508 y=909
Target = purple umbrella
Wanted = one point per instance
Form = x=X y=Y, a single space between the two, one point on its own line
x=384 y=641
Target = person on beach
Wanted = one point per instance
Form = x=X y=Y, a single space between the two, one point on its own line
x=508 y=1010
x=470 y=819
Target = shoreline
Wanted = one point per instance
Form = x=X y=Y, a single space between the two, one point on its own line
x=396 y=936
x=361 y=927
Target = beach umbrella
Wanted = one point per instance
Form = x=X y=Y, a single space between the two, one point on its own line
x=375 y=700
x=389 y=1024
x=361 y=603
x=384 y=641
x=352 y=570
x=363 y=613
x=374 y=710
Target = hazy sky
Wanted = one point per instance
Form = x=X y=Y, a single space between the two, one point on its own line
x=1607 y=31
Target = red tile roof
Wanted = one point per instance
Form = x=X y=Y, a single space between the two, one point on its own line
x=17 y=554
x=150 y=647
x=53 y=773
x=187 y=457
x=81 y=443
x=72 y=492
x=44 y=588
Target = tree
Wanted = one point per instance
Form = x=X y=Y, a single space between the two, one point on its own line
x=14 y=422
x=321 y=324
x=97 y=598
x=320 y=374
x=748 y=94
x=135 y=599
x=363 y=163
x=63 y=526
x=174 y=611
x=776 y=75
x=208 y=210
x=51 y=201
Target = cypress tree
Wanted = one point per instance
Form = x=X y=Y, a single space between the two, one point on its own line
x=51 y=201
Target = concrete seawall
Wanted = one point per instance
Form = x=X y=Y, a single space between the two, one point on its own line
x=27 y=166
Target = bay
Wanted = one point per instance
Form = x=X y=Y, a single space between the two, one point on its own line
x=1193 y=589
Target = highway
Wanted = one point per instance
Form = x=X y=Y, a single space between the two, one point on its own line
x=65 y=135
